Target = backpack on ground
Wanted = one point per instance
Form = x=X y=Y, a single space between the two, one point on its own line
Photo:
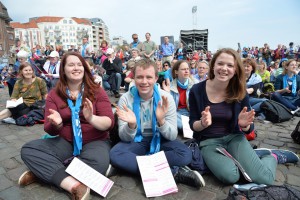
x=283 y=192
x=275 y=112
x=198 y=162
x=296 y=133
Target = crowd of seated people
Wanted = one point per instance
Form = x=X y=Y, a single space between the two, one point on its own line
x=221 y=94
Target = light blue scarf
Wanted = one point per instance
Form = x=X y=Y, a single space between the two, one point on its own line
x=183 y=86
x=155 y=142
x=294 y=83
x=75 y=109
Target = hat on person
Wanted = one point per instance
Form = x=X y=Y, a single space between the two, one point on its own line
x=22 y=54
x=54 y=54
x=110 y=51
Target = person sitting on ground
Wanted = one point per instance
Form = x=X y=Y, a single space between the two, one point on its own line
x=287 y=87
x=180 y=89
x=220 y=116
x=147 y=125
x=78 y=111
x=202 y=70
x=22 y=57
x=30 y=88
x=113 y=67
x=51 y=68
x=253 y=84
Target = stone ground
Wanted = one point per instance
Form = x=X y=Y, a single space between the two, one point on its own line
x=12 y=137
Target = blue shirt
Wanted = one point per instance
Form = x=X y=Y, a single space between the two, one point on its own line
x=167 y=49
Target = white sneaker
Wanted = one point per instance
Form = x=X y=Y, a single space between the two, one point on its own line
x=9 y=120
x=294 y=111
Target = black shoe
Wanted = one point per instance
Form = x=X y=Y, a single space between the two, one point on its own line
x=111 y=171
x=117 y=94
x=189 y=177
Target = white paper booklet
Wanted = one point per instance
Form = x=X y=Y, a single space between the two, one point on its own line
x=156 y=175
x=89 y=177
x=13 y=104
x=187 y=131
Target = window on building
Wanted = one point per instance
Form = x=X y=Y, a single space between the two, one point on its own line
x=51 y=33
x=67 y=34
x=10 y=36
x=63 y=40
x=67 y=40
x=65 y=21
x=70 y=21
x=50 y=27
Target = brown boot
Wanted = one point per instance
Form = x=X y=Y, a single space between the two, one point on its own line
x=27 y=178
x=80 y=192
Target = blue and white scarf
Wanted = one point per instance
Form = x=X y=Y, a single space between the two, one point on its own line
x=155 y=142
x=183 y=86
x=75 y=109
x=294 y=83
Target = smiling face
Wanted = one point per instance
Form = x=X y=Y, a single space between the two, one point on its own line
x=27 y=72
x=145 y=79
x=224 y=67
x=74 y=69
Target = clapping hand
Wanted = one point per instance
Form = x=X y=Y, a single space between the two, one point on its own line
x=127 y=115
x=87 y=110
x=161 y=110
x=246 y=118
x=54 y=118
x=206 y=119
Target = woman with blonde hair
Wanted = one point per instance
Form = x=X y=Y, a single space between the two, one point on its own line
x=287 y=87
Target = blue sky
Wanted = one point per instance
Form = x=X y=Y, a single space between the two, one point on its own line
x=252 y=23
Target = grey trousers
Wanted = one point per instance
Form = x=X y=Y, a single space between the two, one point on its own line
x=45 y=157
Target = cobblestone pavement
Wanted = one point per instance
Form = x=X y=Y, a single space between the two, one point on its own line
x=12 y=138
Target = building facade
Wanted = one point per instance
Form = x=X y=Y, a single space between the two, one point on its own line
x=99 y=32
x=56 y=31
x=6 y=32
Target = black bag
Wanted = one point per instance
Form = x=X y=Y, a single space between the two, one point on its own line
x=275 y=112
x=39 y=104
x=197 y=163
x=273 y=192
x=296 y=133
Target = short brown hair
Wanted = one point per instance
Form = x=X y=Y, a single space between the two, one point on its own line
x=145 y=63
x=250 y=61
x=176 y=67
x=22 y=66
x=236 y=89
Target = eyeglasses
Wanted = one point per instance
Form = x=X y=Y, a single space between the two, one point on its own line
x=135 y=38
x=202 y=68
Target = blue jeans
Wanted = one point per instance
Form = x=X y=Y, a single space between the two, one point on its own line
x=123 y=155
x=180 y=112
x=118 y=80
x=288 y=101
x=261 y=171
x=255 y=103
